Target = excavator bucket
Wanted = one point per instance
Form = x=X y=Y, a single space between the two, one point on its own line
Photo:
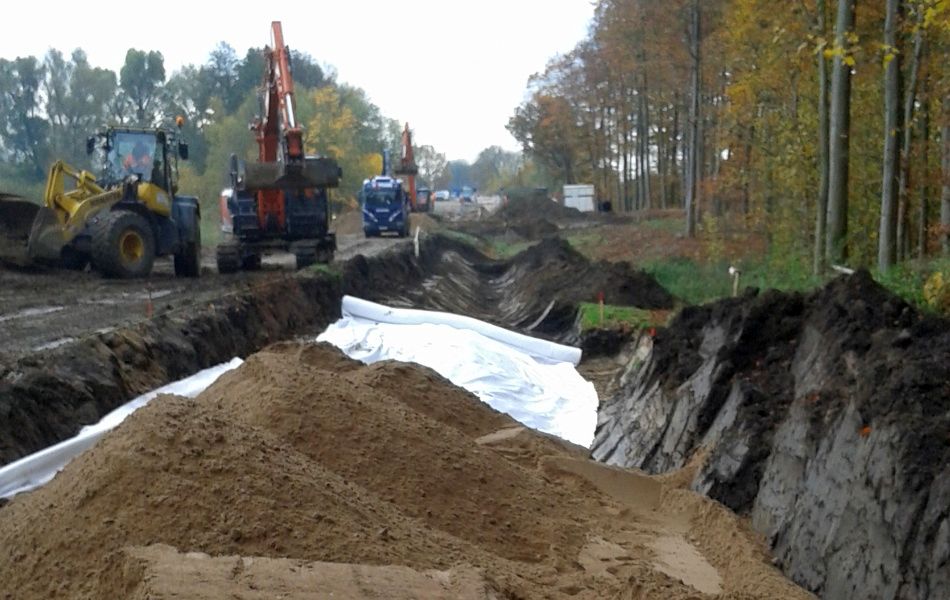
x=16 y=220
x=315 y=172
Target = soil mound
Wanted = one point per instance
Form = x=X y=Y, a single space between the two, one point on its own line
x=827 y=419
x=301 y=457
x=534 y=229
x=535 y=207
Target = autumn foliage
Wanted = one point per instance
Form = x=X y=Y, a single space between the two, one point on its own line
x=615 y=112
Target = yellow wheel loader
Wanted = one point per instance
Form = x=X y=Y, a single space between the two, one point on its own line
x=121 y=218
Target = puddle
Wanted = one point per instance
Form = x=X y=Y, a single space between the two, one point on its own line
x=55 y=343
x=30 y=312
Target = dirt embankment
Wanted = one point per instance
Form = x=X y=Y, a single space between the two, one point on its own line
x=46 y=397
x=410 y=486
x=826 y=418
x=537 y=291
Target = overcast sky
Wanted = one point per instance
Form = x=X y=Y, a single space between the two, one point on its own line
x=454 y=69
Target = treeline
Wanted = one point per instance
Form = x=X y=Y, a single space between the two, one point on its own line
x=802 y=119
x=49 y=105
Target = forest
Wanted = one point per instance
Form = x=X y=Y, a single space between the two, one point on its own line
x=822 y=124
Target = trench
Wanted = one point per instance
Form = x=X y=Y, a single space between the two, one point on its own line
x=48 y=396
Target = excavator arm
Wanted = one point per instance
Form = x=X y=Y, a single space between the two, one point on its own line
x=279 y=137
x=407 y=166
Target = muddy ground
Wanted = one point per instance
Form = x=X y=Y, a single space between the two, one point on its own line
x=433 y=495
x=42 y=309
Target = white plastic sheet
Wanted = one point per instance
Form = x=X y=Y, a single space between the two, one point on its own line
x=521 y=380
x=36 y=469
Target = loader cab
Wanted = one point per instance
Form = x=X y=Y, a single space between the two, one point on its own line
x=144 y=153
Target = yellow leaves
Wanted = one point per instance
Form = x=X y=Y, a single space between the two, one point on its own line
x=937 y=292
x=371 y=164
x=332 y=125
x=937 y=14
x=849 y=60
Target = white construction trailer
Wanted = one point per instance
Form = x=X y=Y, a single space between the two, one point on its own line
x=580 y=196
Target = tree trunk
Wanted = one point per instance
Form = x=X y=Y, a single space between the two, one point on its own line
x=645 y=113
x=924 y=160
x=662 y=165
x=625 y=151
x=694 y=116
x=839 y=138
x=945 y=193
x=887 y=249
x=674 y=151
x=747 y=172
x=821 y=212
x=910 y=97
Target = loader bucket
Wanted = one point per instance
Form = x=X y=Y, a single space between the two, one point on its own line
x=16 y=220
x=46 y=236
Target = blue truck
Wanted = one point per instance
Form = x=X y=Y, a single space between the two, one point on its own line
x=385 y=207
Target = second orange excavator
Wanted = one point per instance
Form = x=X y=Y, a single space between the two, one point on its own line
x=407 y=166
x=281 y=201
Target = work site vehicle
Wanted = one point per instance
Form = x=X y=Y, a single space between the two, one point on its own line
x=385 y=207
x=126 y=214
x=424 y=200
x=281 y=201
x=407 y=167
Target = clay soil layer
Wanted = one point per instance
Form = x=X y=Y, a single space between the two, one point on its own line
x=303 y=468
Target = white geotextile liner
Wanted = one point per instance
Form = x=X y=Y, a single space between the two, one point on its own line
x=521 y=380
x=36 y=469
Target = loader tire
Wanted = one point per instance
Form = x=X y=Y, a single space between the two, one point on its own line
x=123 y=245
x=229 y=259
x=305 y=257
x=188 y=261
x=251 y=262
x=72 y=259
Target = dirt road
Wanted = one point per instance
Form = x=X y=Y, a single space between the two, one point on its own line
x=43 y=309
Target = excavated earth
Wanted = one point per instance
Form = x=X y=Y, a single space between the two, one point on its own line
x=304 y=474
x=825 y=417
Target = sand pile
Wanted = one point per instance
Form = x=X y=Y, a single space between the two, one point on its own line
x=409 y=486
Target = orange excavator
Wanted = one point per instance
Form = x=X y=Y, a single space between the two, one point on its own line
x=281 y=201
x=407 y=166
